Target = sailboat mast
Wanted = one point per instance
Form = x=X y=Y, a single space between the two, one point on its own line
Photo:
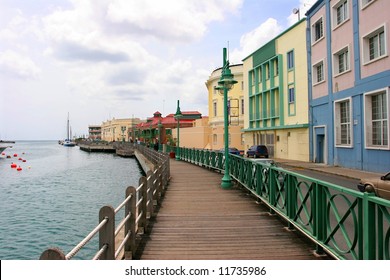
x=67 y=128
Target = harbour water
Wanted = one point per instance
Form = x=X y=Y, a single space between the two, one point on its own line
x=54 y=200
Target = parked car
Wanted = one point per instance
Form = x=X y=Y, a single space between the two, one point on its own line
x=233 y=151
x=380 y=186
x=267 y=163
x=257 y=151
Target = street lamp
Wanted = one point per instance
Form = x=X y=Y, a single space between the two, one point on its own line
x=159 y=133
x=177 y=116
x=226 y=83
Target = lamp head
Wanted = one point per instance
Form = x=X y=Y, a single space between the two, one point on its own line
x=219 y=89
x=226 y=80
x=178 y=113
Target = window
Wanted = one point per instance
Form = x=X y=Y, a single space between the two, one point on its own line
x=366 y=2
x=377 y=119
x=259 y=73
x=341 y=61
x=252 y=77
x=215 y=108
x=242 y=107
x=318 y=73
x=291 y=95
x=377 y=45
x=215 y=139
x=276 y=67
x=290 y=60
x=343 y=123
x=267 y=71
x=340 y=12
x=318 y=30
x=374 y=45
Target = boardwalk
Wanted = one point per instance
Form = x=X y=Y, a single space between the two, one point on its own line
x=198 y=220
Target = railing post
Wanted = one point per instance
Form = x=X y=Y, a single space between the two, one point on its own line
x=52 y=254
x=130 y=226
x=153 y=193
x=291 y=193
x=107 y=233
x=272 y=188
x=319 y=216
x=207 y=159
x=159 y=180
x=369 y=227
x=144 y=209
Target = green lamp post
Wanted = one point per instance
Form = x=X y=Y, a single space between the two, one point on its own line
x=226 y=83
x=177 y=116
x=159 y=134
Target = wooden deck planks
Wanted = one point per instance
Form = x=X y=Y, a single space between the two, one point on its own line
x=199 y=220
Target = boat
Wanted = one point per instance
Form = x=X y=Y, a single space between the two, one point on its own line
x=68 y=141
x=2 y=148
x=3 y=141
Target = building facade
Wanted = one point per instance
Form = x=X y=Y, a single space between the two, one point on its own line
x=95 y=132
x=276 y=90
x=162 y=129
x=117 y=129
x=197 y=136
x=349 y=80
x=236 y=110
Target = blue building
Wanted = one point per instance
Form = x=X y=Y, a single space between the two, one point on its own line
x=349 y=80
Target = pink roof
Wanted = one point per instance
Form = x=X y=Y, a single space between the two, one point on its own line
x=168 y=121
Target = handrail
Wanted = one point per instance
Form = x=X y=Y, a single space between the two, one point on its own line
x=344 y=223
x=83 y=242
x=138 y=205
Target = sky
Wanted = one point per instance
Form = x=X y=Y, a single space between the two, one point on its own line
x=104 y=59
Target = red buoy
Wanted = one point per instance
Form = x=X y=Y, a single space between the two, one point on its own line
x=19 y=168
x=13 y=165
x=15 y=155
x=24 y=160
x=20 y=158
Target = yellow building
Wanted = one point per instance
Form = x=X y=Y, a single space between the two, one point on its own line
x=196 y=136
x=276 y=90
x=117 y=129
x=236 y=110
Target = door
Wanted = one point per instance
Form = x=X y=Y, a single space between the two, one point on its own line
x=319 y=158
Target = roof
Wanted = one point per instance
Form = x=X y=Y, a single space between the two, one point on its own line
x=170 y=121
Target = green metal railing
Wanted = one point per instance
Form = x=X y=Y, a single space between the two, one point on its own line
x=344 y=223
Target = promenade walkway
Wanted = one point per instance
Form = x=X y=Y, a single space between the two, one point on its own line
x=199 y=220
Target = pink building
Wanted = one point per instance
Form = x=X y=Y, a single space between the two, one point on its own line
x=349 y=80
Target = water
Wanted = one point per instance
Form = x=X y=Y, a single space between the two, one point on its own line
x=55 y=200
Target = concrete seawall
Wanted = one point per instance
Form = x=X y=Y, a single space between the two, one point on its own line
x=145 y=164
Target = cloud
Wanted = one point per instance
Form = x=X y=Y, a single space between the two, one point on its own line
x=70 y=51
x=171 y=19
x=255 y=39
x=20 y=27
x=303 y=7
x=18 y=65
x=113 y=56
x=268 y=30
x=127 y=75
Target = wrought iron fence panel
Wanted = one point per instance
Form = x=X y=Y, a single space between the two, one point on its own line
x=342 y=222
